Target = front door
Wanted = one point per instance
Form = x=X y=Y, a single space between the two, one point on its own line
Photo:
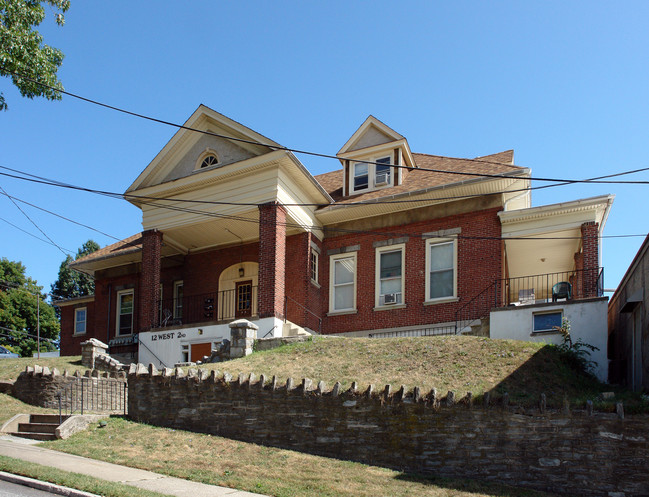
x=243 y=295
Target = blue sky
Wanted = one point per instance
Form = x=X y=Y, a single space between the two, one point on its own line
x=562 y=83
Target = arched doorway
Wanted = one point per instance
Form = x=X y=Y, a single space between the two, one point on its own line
x=238 y=291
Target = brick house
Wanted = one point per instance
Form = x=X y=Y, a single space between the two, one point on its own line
x=392 y=242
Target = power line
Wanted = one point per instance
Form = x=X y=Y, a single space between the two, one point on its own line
x=32 y=221
x=32 y=235
x=318 y=154
x=60 y=216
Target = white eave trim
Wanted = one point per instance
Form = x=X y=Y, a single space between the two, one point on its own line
x=74 y=301
x=599 y=207
x=513 y=175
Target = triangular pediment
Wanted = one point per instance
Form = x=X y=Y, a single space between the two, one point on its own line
x=370 y=134
x=206 y=132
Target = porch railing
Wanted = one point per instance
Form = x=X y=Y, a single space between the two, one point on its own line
x=583 y=283
x=225 y=305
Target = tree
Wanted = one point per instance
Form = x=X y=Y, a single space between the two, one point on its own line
x=71 y=283
x=22 y=52
x=19 y=311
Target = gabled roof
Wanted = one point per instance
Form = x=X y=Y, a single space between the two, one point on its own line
x=371 y=122
x=420 y=179
x=205 y=120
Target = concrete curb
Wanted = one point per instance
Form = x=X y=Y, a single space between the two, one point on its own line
x=45 y=486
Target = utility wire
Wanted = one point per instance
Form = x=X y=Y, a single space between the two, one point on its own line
x=60 y=216
x=32 y=221
x=34 y=236
x=306 y=152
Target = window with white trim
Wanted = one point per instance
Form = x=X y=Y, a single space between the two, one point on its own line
x=80 y=318
x=390 y=263
x=314 y=266
x=342 y=293
x=125 y=308
x=178 y=299
x=441 y=269
x=371 y=175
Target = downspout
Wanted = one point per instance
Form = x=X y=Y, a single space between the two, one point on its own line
x=110 y=294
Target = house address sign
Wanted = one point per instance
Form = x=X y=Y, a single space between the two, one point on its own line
x=168 y=336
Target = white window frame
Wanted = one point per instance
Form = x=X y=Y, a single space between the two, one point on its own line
x=371 y=173
x=377 y=279
x=178 y=284
x=121 y=294
x=207 y=153
x=438 y=241
x=332 y=286
x=314 y=261
x=85 y=321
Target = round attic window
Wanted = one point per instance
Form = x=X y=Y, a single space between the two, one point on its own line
x=208 y=161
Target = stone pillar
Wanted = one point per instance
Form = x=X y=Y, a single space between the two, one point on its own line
x=150 y=279
x=90 y=350
x=272 y=260
x=242 y=336
x=590 y=252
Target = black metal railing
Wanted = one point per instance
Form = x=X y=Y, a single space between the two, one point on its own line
x=298 y=314
x=575 y=284
x=93 y=394
x=225 y=305
x=476 y=308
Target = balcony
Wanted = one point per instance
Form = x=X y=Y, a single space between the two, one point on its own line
x=549 y=287
x=214 y=307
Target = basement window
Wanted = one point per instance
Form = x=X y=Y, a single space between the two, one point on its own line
x=546 y=321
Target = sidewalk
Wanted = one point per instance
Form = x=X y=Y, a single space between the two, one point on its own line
x=19 y=448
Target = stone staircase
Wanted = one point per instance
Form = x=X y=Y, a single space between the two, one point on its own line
x=39 y=427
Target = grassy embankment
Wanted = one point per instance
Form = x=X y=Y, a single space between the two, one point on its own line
x=461 y=364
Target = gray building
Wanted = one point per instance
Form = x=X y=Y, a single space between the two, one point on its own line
x=628 y=326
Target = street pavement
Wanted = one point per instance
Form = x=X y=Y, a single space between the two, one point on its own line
x=19 y=448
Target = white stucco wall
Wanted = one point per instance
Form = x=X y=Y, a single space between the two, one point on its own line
x=164 y=348
x=588 y=321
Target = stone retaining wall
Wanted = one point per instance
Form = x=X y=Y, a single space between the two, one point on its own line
x=574 y=453
x=40 y=386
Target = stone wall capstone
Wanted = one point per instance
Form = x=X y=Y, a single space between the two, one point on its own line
x=575 y=453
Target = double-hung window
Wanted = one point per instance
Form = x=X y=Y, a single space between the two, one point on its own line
x=441 y=269
x=178 y=299
x=389 y=275
x=125 y=308
x=367 y=176
x=80 y=318
x=314 y=266
x=342 y=296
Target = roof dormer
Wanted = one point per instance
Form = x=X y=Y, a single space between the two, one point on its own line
x=369 y=158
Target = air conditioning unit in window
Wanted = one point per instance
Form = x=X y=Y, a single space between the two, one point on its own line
x=390 y=298
x=382 y=179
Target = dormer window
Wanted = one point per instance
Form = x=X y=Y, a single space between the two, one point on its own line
x=209 y=160
x=371 y=175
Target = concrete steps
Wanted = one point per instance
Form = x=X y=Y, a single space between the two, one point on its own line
x=39 y=427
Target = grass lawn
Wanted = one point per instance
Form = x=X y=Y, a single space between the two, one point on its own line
x=460 y=363
x=11 y=368
x=72 y=480
x=266 y=470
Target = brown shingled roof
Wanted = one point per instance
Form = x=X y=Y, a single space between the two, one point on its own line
x=131 y=244
x=421 y=179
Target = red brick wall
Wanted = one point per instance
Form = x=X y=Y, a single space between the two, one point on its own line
x=590 y=251
x=150 y=278
x=70 y=343
x=479 y=264
x=272 y=260
x=303 y=295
